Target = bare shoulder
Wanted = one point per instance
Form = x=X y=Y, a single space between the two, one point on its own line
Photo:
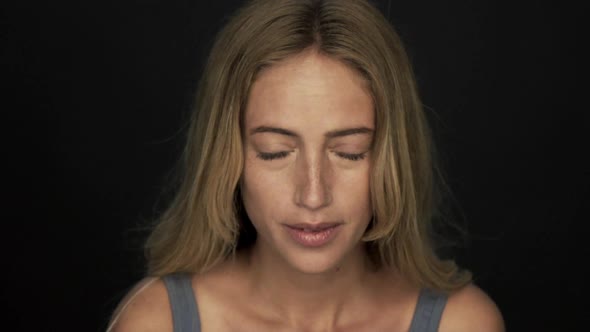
x=471 y=309
x=145 y=308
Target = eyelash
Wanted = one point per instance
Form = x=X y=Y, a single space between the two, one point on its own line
x=272 y=155
x=351 y=156
x=283 y=154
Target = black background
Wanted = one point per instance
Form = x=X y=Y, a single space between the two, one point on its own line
x=95 y=100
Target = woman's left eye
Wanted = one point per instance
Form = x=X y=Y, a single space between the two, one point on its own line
x=351 y=156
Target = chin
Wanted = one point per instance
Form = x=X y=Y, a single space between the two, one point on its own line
x=300 y=257
x=314 y=267
x=315 y=262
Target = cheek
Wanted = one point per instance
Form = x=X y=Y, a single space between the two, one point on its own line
x=263 y=193
x=355 y=194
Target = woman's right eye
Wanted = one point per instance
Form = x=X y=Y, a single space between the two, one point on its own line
x=272 y=155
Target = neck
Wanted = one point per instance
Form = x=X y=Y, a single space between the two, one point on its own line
x=319 y=301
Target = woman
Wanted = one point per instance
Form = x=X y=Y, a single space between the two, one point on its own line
x=307 y=191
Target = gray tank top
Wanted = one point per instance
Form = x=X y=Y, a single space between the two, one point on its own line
x=185 y=313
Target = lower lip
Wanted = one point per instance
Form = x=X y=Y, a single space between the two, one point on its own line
x=313 y=239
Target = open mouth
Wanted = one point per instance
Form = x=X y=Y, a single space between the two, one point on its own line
x=311 y=230
x=313 y=235
x=313 y=227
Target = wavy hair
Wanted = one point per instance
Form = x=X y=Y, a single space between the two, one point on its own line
x=205 y=223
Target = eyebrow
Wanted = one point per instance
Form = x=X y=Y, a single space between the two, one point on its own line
x=330 y=134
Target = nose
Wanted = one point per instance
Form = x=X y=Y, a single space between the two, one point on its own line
x=313 y=183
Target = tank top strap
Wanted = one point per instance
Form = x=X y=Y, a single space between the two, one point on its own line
x=185 y=313
x=428 y=311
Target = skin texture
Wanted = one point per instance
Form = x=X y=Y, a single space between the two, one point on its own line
x=308 y=129
x=314 y=176
x=300 y=168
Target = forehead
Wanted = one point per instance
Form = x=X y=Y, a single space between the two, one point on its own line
x=310 y=88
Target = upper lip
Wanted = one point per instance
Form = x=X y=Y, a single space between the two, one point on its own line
x=318 y=226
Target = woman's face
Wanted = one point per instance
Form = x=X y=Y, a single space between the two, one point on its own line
x=308 y=129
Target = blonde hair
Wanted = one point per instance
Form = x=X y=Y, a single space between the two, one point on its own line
x=205 y=222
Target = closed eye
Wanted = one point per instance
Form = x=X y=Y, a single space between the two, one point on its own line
x=351 y=156
x=284 y=154
x=272 y=155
